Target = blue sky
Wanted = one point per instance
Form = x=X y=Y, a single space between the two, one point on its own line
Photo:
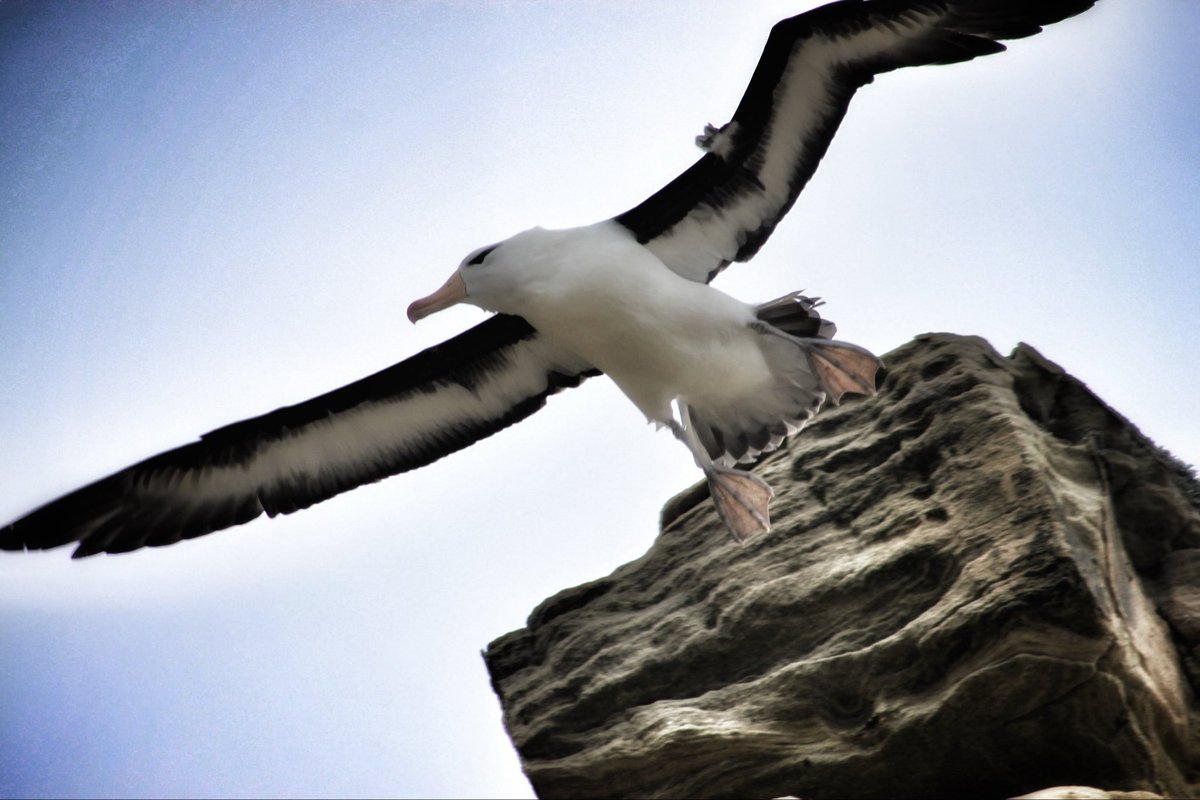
x=210 y=210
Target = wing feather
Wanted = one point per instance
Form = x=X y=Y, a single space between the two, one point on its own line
x=725 y=206
x=406 y=416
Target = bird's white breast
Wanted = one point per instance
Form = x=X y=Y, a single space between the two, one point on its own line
x=659 y=336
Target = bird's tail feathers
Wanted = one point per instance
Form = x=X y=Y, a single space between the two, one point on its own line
x=797 y=315
x=807 y=371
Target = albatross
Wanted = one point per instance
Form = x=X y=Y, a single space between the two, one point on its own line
x=628 y=297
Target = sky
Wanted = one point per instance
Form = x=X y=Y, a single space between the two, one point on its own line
x=209 y=210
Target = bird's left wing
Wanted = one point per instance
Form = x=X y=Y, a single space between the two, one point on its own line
x=406 y=416
x=725 y=205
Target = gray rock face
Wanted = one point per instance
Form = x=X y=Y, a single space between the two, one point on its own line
x=982 y=582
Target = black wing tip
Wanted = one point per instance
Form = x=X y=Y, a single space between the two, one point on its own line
x=11 y=540
x=43 y=529
x=1006 y=19
x=73 y=517
x=109 y=517
x=30 y=534
x=84 y=551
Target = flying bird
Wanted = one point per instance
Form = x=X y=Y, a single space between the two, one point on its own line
x=629 y=297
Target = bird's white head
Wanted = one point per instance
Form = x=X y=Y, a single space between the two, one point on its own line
x=492 y=277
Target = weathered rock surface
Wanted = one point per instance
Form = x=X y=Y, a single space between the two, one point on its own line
x=1086 y=793
x=982 y=582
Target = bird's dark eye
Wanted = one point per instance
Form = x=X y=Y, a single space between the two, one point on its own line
x=480 y=256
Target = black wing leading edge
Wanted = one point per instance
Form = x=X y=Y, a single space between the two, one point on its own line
x=723 y=208
x=406 y=416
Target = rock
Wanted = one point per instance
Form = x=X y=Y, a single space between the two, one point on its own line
x=981 y=582
x=1086 y=793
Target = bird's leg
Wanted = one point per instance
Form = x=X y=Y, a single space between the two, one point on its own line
x=742 y=498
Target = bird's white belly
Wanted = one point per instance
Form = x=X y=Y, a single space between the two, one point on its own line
x=657 y=335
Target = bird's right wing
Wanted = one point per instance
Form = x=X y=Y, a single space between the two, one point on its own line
x=406 y=416
x=723 y=208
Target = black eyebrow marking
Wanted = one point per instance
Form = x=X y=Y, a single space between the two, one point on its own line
x=481 y=255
